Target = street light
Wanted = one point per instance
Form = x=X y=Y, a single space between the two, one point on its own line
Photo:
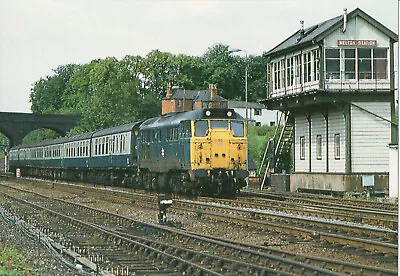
x=247 y=108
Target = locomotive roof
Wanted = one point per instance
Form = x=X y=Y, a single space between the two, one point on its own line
x=116 y=129
x=173 y=119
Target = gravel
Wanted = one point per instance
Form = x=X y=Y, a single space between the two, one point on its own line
x=193 y=224
x=36 y=255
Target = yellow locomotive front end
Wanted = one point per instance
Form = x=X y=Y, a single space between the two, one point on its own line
x=219 y=154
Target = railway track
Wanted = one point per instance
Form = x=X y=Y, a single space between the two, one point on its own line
x=387 y=219
x=149 y=201
x=323 y=200
x=73 y=225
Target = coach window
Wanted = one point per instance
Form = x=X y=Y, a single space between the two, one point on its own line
x=107 y=140
x=123 y=143
x=101 y=145
x=200 y=128
x=111 y=142
x=237 y=128
x=117 y=143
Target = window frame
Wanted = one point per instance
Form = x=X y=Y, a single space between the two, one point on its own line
x=336 y=146
x=302 y=148
x=318 y=147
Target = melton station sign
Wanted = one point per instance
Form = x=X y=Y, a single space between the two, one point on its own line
x=357 y=43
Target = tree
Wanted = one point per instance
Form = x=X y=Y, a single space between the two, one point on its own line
x=225 y=70
x=47 y=94
x=108 y=92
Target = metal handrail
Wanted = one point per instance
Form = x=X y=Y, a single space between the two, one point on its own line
x=267 y=147
x=276 y=148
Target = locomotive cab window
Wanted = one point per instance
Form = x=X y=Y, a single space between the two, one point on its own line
x=237 y=128
x=214 y=124
x=200 y=128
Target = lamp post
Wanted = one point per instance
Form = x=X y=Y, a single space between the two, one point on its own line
x=247 y=110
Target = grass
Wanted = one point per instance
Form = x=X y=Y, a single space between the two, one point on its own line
x=12 y=262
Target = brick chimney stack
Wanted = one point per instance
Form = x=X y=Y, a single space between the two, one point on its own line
x=169 y=92
x=212 y=88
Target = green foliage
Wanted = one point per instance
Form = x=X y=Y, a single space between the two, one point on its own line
x=108 y=92
x=13 y=263
x=258 y=139
x=4 y=143
x=39 y=135
x=225 y=70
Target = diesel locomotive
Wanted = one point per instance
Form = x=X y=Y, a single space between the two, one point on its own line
x=196 y=152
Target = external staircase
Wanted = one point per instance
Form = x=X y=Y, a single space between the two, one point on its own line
x=276 y=156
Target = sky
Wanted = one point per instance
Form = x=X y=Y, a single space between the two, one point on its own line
x=36 y=36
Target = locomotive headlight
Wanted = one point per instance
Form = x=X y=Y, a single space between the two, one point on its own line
x=208 y=113
x=229 y=113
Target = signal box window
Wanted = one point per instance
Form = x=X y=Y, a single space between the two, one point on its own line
x=319 y=147
x=302 y=148
x=337 y=146
x=237 y=128
x=200 y=128
x=332 y=63
x=258 y=111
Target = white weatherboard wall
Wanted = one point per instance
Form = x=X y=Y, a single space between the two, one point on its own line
x=370 y=137
x=357 y=28
x=394 y=171
x=318 y=128
x=336 y=125
x=301 y=129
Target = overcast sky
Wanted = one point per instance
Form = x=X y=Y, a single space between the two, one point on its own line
x=38 y=35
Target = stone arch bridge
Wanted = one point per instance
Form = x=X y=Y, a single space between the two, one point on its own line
x=15 y=126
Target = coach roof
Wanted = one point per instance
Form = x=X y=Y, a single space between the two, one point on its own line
x=117 y=129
